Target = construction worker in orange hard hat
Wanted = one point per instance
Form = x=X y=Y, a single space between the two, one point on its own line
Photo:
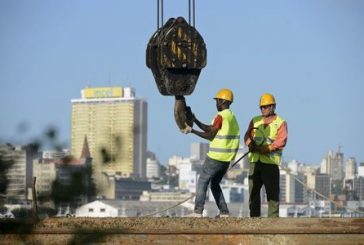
x=266 y=137
x=224 y=136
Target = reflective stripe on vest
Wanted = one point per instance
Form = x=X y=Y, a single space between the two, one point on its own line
x=228 y=137
x=265 y=136
x=226 y=142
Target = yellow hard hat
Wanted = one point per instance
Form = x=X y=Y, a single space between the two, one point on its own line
x=225 y=94
x=267 y=99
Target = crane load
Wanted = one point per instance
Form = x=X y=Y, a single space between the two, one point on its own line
x=176 y=53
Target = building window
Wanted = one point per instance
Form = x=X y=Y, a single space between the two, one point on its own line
x=102 y=210
x=90 y=210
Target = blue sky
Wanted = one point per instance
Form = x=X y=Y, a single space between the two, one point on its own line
x=309 y=54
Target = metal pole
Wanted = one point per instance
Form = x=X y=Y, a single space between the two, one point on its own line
x=34 y=198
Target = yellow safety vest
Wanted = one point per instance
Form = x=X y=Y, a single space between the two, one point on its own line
x=226 y=142
x=265 y=136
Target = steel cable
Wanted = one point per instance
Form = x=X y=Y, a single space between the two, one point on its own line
x=319 y=194
x=288 y=172
x=194 y=194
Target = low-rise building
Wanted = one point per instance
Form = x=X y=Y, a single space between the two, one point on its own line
x=97 y=209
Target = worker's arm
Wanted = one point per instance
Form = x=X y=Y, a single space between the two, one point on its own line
x=209 y=134
x=201 y=125
x=280 y=142
x=209 y=131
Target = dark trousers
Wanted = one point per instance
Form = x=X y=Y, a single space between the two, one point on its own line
x=268 y=175
x=212 y=172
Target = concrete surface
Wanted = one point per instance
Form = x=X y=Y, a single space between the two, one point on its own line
x=184 y=230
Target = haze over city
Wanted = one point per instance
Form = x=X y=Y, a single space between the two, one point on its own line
x=309 y=54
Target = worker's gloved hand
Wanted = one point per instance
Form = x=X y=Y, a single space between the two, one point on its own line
x=253 y=147
x=264 y=149
x=187 y=129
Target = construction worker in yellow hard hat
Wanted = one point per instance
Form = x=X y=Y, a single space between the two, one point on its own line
x=225 y=94
x=224 y=136
x=267 y=99
x=266 y=137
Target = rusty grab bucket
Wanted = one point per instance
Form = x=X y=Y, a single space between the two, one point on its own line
x=176 y=53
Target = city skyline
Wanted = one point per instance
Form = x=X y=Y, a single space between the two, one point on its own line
x=308 y=54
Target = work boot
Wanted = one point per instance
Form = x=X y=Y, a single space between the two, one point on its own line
x=194 y=215
x=222 y=216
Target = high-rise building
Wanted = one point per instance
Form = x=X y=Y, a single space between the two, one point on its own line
x=199 y=150
x=359 y=188
x=287 y=187
x=323 y=166
x=114 y=122
x=44 y=169
x=361 y=169
x=337 y=170
x=153 y=168
x=332 y=165
x=320 y=183
x=350 y=168
x=300 y=189
x=17 y=178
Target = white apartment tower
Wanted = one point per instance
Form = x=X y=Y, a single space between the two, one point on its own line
x=332 y=165
x=361 y=170
x=350 y=168
x=287 y=187
x=153 y=168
